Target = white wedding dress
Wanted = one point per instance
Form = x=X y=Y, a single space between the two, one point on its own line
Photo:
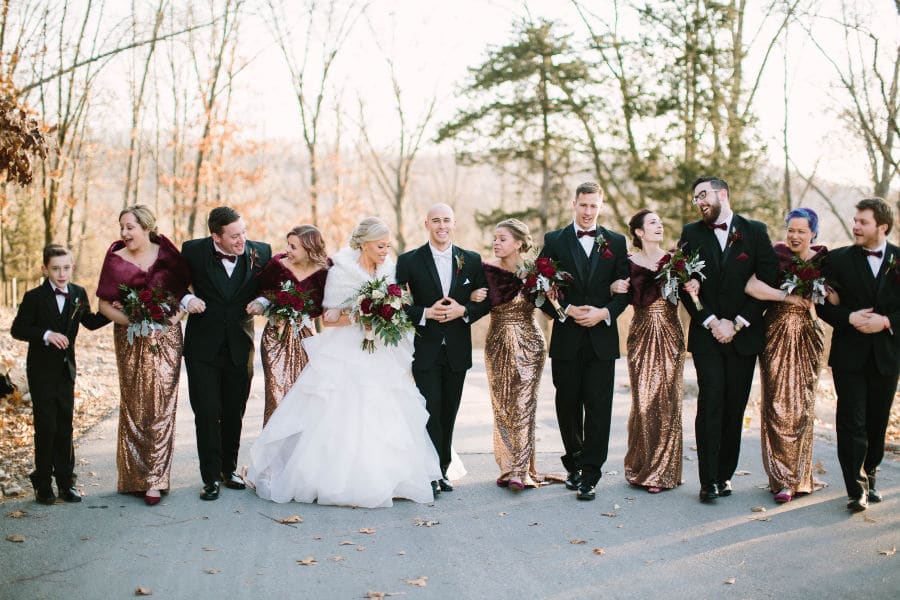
x=351 y=431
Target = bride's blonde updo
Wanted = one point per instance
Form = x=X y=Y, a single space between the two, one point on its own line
x=369 y=229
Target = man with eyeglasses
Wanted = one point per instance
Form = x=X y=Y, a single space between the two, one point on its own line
x=727 y=333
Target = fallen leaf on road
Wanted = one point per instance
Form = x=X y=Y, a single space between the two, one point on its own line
x=16 y=514
x=420 y=522
x=421 y=581
x=631 y=497
x=317 y=537
x=694 y=448
x=608 y=514
x=503 y=514
x=616 y=506
x=307 y=562
x=375 y=595
x=293 y=519
x=141 y=591
x=612 y=472
x=213 y=571
x=820 y=468
x=534 y=524
x=401 y=553
x=577 y=541
x=209 y=549
x=760 y=518
x=367 y=531
x=360 y=548
x=758 y=509
x=688 y=458
x=337 y=558
x=890 y=552
x=619 y=526
x=15 y=538
x=599 y=551
x=742 y=472
x=346 y=543
x=869 y=519
x=730 y=581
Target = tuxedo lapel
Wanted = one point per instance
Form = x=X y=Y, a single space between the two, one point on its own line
x=215 y=270
x=581 y=261
x=456 y=259
x=861 y=266
x=882 y=272
x=711 y=247
x=431 y=268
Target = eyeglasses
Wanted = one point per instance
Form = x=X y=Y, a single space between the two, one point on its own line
x=701 y=196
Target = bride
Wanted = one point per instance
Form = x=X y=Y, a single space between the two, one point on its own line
x=351 y=431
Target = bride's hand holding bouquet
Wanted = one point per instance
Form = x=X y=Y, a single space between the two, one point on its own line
x=378 y=307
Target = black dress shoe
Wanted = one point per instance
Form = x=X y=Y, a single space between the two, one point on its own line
x=44 y=496
x=709 y=493
x=858 y=504
x=445 y=485
x=724 y=488
x=586 y=492
x=435 y=488
x=70 y=494
x=210 y=491
x=874 y=495
x=234 y=482
x=573 y=480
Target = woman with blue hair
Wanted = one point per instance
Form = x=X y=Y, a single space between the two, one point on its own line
x=789 y=364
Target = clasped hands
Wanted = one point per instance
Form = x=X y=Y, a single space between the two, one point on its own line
x=445 y=310
x=866 y=320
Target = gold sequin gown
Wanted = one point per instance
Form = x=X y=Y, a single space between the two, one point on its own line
x=789 y=368
x=656 y=369
x=514 y=355
x=281 y=349
x=148 y=371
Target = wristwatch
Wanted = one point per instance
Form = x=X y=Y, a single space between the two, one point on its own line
x=738 y=325
x=465 y=312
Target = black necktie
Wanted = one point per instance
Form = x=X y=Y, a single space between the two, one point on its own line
x=722 y=226
x=59 y=292
x=591 y=233
x=229 y=257
x=875 y=253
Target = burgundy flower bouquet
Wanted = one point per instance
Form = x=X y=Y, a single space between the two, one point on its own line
x=148 y=311
x=378 y=306
x=289 y=306
x=676 y=268
x=541 y=276
x=804 y=278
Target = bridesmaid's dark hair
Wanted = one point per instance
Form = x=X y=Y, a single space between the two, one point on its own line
x=637 y=222
x=310 y=240
x=144 y=217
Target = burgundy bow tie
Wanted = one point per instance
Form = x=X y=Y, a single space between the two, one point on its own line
x=875 y=253
x=722 y=226
x=229 y=257
x=591 y=233
x=59 y=292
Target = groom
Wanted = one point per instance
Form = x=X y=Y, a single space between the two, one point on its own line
x=585 y=342
x=218 y=341
x=440 y=277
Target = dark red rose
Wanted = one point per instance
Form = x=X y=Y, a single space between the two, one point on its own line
x=156 y=312
x=665 y=260
x=297 y=302
x=545 y=267
x=283 y=298
x=394 y=290
x=531 y=281
x=679 y=264
x=387 y=311
x=365 y=307
x=145 y=295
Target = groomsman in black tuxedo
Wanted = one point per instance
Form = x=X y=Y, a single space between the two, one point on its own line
x=441 y=277
x=865 y=348
x=585 y=342
x=48 y=319
x=726 y=335
x=218 y=341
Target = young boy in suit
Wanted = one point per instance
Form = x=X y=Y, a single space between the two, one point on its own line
x=48 y=319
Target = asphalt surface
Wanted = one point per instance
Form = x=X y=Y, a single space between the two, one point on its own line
x=479 y=541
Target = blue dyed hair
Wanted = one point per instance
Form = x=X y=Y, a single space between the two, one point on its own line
x=804 y=213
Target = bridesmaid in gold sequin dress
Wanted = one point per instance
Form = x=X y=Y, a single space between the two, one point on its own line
x=514 y=355
x=655 y=365
x=149 y=368
x=789 y=366
x=283 y=357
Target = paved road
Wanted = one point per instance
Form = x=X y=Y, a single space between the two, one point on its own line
x=477 y=542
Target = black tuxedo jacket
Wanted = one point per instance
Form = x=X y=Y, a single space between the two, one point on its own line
x=722 y=292
x=225 y=318
x=38 y=313
x=416 y=268
x=592 y=277
x=848 y=271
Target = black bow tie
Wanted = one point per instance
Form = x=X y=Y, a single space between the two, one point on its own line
x=875 y=253
x=580 y=233
x=229 y=257
x=722 y=226
x=59 y=292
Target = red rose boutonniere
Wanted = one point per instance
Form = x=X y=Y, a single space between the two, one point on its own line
x=602 y=246
x=254 y=257
x=893 y=267
x=735 y=236
x=460 y=263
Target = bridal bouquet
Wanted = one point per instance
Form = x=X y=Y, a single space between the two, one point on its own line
x=540 y=277
x=148 y=311
x=288 y=306
x=804 y=278
x=675 y=269
x=378 y=306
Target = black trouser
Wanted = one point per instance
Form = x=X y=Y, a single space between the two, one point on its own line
x=54 y=455
x=864 y=401
x=218 y=391
x=442 y=388
x=724 y=380
x=584 y=392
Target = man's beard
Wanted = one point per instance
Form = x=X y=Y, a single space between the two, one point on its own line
x=712 y=216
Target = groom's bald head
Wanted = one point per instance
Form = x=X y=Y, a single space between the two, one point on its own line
x=440 y=223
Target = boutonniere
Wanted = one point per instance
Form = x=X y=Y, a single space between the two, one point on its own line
x=735 y=236
x=460 y=263
x=76 y=308
x=602 y=246
x=254 y=256
x=892 y=267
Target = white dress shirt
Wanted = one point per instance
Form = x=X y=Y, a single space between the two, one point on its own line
x=875 y=261
x=60 y=303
